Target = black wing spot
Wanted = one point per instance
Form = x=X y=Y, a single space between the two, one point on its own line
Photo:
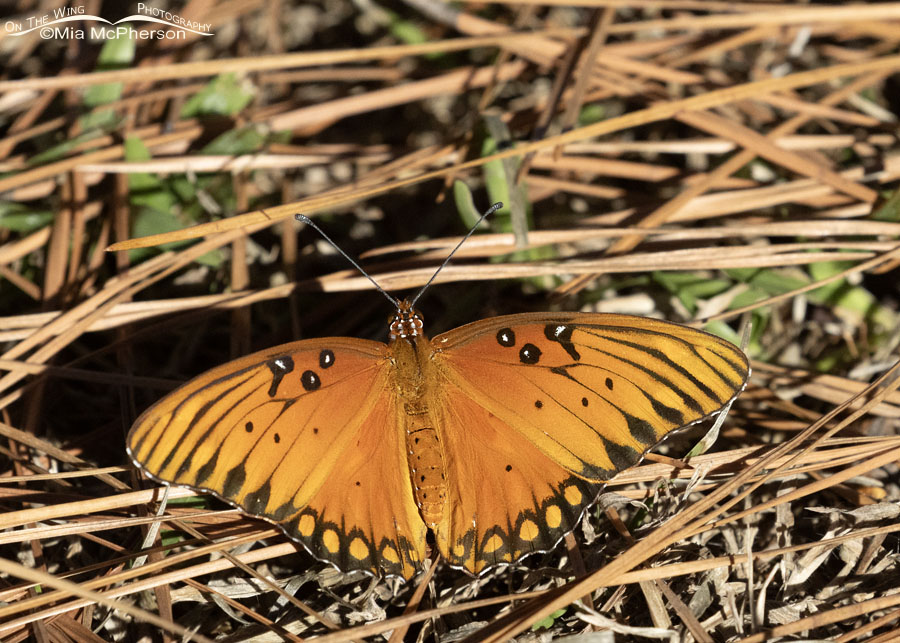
x=249 y=427
x=562 y=333
x=234 y=480
x=315 y=431
x=530 y=354
x=277 y=438
x=538 y=404
x=506 y=337
x=609 y=383
x=256 y=501
x=310 y=381
x=622 y=456
x=641 y=430
x=326 y=358
x=284 y=511
x=509 y=467
x=357 y=483
x=280 y=366
x=584 y=401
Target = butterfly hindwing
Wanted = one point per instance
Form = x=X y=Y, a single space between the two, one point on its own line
x=304 y=435
x=544 y=408
x=506 y=498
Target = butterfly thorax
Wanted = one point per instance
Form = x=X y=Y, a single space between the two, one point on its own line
x=413 y=375
x=410 y=363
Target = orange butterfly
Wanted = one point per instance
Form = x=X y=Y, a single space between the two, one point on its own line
x=496 y=436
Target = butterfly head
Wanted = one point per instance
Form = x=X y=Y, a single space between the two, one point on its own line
x=406 y=322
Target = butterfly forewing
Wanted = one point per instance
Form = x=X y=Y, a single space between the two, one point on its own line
x=541 y=409
x=305 y=435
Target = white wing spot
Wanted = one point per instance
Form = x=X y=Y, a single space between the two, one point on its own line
x=559 y=331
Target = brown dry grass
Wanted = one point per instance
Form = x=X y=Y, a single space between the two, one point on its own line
x=743 y=162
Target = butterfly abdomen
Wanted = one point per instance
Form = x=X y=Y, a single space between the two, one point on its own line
x=426 y=463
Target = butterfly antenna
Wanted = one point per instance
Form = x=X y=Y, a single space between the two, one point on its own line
x=310 y=223
x=489 y=211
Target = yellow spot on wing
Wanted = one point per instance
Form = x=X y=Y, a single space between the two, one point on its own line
x=307 y=524
x=331 y=541
x=553 y=516
x=358 y=549
x=572 y=494
x=493 y=544
x=458 y=550
x=390 y=554
x=528 y=530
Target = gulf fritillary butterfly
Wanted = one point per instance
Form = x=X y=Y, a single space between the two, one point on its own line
x=496 y=436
